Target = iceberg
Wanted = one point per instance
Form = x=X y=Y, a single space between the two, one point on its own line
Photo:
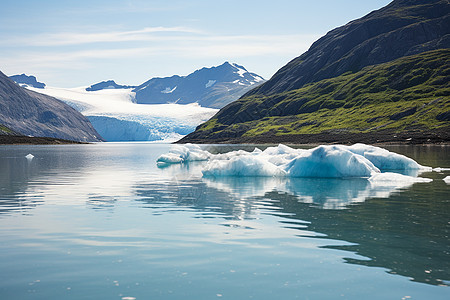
x=330 y=177
x=335 y=161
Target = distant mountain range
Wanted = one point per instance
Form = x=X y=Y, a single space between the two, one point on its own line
x=210 y=87
x=120 y=112
x=383 y=77
x=29 y=113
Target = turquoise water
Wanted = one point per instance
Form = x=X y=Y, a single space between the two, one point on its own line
x=103 y=222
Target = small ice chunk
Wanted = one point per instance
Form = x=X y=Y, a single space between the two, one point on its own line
x=179 y=154
x=447 y=180
x=29 y=156
x=439 y=169
x=396 y=179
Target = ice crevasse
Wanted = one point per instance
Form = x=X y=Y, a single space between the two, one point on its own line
x=326 y=161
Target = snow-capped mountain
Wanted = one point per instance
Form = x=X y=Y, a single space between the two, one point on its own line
x=25 y=80
x=161 y=109
x=107 y=85
x=212 y=87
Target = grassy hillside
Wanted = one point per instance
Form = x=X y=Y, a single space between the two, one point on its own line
x=408 y=94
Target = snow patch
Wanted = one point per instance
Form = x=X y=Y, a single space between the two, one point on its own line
x=210 y=83
x=168 y=90
x=241 y=71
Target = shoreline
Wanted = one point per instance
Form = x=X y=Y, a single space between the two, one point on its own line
x=432 y=137
x=27 y=140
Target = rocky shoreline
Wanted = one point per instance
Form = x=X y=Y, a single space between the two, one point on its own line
x=438 y=136
x=27 y=140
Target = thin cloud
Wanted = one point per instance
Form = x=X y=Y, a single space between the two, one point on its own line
x=188 y=46
x=80 y=38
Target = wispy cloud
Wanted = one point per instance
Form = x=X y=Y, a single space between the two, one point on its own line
x=164 y=48
x=80 y=38
x=184 y=46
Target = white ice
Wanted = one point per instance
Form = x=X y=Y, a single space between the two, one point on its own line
x=29 y=156
x=447 y=179
x=337 y=161
x=116 y=117
x=329 y=176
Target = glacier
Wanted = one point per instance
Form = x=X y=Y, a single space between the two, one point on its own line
x=116 y=116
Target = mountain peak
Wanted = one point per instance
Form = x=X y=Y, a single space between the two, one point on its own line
x=106 y=85
x=209 y=86
x=27 y=80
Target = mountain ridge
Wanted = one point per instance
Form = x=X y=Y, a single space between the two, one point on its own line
x=33 y=114
x=209 y=87
x=402 y=28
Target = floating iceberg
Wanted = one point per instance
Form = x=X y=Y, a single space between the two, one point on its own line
x=330 y=177
x=336 y=161
x=447 y=179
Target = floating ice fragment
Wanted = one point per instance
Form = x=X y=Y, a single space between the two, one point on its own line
x=394 y=179
x=29 y=156
x=439 y=170
x=180 y=154
x=447 y=180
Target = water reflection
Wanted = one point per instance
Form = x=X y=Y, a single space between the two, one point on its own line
x=406 y=234
x=402 y=229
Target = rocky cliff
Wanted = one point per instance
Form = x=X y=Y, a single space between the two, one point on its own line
x=30 y=113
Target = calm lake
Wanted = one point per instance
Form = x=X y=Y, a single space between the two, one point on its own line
x=102 y=221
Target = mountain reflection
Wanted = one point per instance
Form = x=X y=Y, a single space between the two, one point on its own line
x=402 y=232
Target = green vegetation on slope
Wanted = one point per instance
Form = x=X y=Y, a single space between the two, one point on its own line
x=6 y=131
x=408 y=93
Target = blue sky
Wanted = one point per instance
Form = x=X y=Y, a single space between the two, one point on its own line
x=76 y=43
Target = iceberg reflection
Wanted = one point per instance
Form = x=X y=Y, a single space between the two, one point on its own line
x=327 y=193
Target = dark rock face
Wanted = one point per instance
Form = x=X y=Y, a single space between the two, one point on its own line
x=210 y=87
x=109 y=84
x=27 y=80
x=34 y=114
x=402 y=28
